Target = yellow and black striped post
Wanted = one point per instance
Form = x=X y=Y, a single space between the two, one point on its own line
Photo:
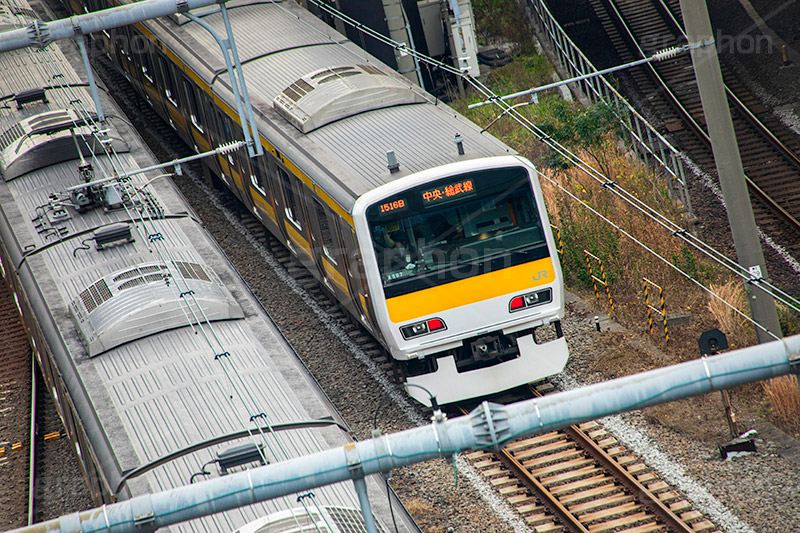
x=601 y=280
x=662 y=310
x=559 y=245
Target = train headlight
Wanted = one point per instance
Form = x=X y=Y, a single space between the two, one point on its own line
x=423 y=328
x=529 y=300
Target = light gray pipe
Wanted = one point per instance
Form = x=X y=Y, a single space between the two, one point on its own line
x=487 y=426
x=41 y=33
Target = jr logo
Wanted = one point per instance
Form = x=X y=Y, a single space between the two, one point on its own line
x=540 y=275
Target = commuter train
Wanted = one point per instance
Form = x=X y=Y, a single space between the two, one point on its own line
x=164 y=367
x=430 y=232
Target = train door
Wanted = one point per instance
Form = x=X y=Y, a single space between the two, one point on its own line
x=354 y=268
x=171 y=109
x=238 y=165
x=261 y=193
x=228 y=162
x=328 y=249
x=244 y=164
x=195 y=115
x=294 y=217
x=146 y=58
x=126 y=46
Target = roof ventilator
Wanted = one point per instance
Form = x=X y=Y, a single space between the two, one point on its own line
x=50 y=138
x=331 y=94
x=314 y=517
x=138 y=302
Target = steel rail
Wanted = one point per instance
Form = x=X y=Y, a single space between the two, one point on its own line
x=760 y=193
x=637 y=490
x=753 y=118
x=640 y=492
x=547 y=498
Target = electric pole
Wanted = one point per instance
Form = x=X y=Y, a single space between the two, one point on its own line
x=729 y=164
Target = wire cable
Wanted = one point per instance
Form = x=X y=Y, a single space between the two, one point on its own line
x=642 y=207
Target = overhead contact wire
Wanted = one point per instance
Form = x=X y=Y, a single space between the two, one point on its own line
x=195 y=315
x=623 y=194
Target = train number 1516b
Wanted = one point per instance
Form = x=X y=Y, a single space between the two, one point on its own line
x=393 y=206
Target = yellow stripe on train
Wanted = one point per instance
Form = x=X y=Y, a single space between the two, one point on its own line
x=471 y=290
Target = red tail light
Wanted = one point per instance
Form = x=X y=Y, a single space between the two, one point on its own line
x=434 y=324
x=530 y=300
x=423 y=328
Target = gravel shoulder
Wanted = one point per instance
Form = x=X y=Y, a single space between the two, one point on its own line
x=680 y=440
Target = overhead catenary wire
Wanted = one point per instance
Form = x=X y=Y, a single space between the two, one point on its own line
x=662 y=55
x=256 y=419
x=649 y=212
x=148 y=232
x=609 y=184
x=697 y=126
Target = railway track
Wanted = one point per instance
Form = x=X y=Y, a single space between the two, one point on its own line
x=583 y=479
x=578 y=485
x=15 y=414
x=769 y=150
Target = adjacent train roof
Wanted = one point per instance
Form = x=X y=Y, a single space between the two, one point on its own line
x=176 y=385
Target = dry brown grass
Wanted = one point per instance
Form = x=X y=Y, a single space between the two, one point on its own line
x=784 y=397
x=730 y=298
x=624 y=260
x=424 y=514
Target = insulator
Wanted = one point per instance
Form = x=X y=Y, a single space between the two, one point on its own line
x=229 y=147
x=668 y=53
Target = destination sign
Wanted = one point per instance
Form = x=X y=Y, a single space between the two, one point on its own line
x=445 y=193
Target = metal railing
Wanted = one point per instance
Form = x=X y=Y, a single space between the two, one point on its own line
x=648 y=143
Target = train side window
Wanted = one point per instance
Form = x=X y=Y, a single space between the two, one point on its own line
x=218 y=127
x=225 y=133
x=194 y=108
x=292 y=209
x=329 y=246
x=169 y=81
x=241 y=154
x=259 y=178
x=207 y=107
x=146 y=60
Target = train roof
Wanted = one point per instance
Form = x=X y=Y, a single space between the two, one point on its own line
x=279 y=43
x=114 y=294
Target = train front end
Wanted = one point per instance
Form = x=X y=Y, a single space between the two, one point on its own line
x=464 y=277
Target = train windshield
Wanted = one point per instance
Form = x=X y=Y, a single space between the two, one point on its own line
x=455 y=228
